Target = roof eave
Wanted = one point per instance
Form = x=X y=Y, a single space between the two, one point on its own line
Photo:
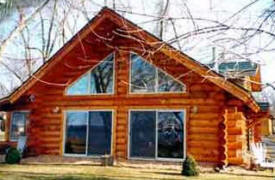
x=4 y=101
x=166 y=49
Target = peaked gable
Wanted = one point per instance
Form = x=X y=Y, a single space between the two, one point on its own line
x=111 y=21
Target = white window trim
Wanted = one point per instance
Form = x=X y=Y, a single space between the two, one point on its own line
x=86 y=151
x=10 y=126
x=156 y=136
x=89 y=79
x=156 y=79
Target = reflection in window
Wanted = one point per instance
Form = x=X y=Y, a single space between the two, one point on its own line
x=2 y=127
x=18 y=124
x=76 y=132
x=88 y=133
x=100 y=133
x=102 y=77
x=97 y=81
x=170 y=134
x=167 y=84
x=147 y=78
x=142 y=143
x=80 y=87
x=143 y=75
x=157 y=134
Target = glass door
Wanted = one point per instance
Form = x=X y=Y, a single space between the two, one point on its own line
x=142 y=134
x=99 y=133
x=76 y=133
x=170 y=135
x=88 y=133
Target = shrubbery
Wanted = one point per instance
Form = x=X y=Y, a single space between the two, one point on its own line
x=12 y=156
x=189 y=167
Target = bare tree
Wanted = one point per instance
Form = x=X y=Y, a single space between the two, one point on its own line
x=59 y=20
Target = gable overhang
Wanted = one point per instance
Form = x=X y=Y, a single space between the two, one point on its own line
x=148 y=39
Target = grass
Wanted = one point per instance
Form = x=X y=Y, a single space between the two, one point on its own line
x=88 y=172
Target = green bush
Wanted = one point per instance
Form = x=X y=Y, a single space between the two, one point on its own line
x=189 y=167
x=12 y=156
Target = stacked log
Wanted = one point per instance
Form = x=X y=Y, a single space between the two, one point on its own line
x=210 y=136
x=236 y=136
x=223 y=139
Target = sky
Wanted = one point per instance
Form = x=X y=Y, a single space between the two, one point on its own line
x=198 y=47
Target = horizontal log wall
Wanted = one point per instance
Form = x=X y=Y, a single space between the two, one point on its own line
x=203 y=101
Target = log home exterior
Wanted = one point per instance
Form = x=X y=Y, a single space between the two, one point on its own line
x=207 y=114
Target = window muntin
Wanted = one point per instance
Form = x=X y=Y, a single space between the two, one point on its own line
x=88 y=133
x=168 y=139
x=18 y=125
x=99 y=80
x=146 y=78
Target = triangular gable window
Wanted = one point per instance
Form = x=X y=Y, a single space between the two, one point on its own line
x=146 y=78
x=99 y=80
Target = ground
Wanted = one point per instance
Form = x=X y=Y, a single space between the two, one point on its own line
x=95 y=172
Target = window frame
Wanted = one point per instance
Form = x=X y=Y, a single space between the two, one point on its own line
x=156 y=158
x=11 y=119
x=4 y=121
x=89 y=79
x=87 y=135
x=156 y=79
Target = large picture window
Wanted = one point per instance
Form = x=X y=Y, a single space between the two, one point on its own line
x=146 y=78
x=88 y=132
x=99 y=80
x=18 y=125
x=156 y=134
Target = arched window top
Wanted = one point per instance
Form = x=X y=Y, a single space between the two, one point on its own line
x=147 y=78
x=99 y=80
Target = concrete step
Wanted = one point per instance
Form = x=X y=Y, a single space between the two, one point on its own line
x=270 y=148
x=268 y=141
x=272 y=138
x=270 y=153
x=272 y=158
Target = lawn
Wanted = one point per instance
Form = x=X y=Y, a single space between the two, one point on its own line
x=88 y=172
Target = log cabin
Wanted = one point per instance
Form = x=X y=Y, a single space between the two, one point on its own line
x=116 y=89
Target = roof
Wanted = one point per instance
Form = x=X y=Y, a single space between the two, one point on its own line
x=262 y=100
x=264 y=106
x=151 y=41
x=240 y=69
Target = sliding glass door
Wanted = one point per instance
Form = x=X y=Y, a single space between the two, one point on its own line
x=76 y=133
x=156 y=134
x=170 y=134
x=100 y=133
x=88 y=133
x=143 y=136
